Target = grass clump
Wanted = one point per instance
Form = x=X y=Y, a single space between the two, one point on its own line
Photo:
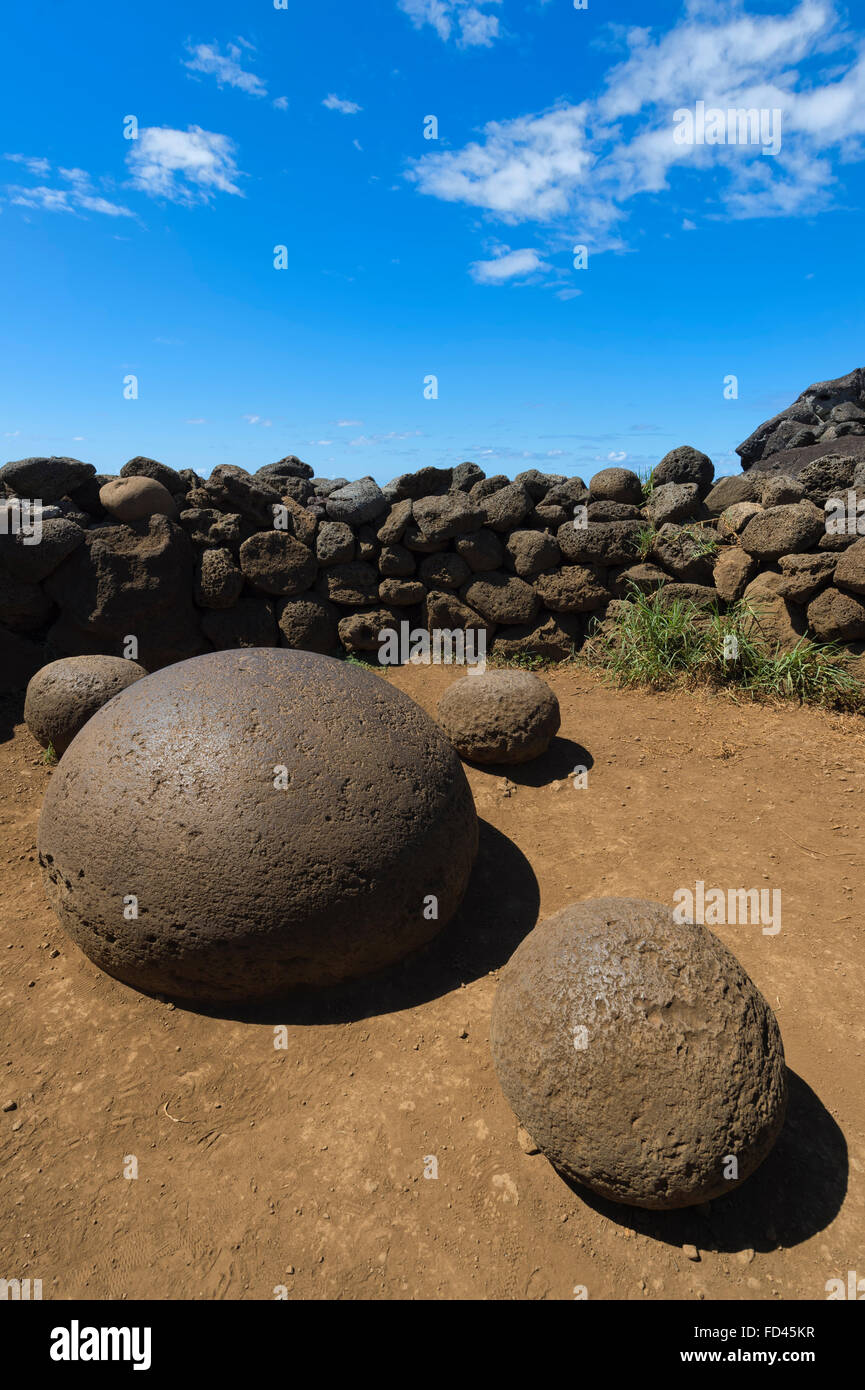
x=677 y=644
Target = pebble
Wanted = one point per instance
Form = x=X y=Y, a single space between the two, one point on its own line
x=526 y=1142
x=10 y=1105
x=690 y=1252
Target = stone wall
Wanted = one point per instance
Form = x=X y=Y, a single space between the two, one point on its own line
x=184 y=565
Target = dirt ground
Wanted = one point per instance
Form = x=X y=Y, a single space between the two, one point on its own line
x=302 y=1168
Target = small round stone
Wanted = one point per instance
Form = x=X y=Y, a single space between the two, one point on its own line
x=134 y=499
x=499 y=716
x=63 y=695
x=638 y=1054
x=250 y=821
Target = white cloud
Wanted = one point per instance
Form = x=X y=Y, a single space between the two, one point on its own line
x=225 y=67
x=281 y=103
x=365 y=440
x=576 y=167
x=37 y=166
x=184 y=166
x=507 y=265
x=346 y=424
x=470 y=20
x=335 y=103
x=64 y=200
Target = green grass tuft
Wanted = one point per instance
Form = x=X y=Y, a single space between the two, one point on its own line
x=663 y=646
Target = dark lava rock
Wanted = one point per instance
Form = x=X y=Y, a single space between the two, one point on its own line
x=309 y=623
x=357 y=502
x=465 y=475
x=35 y=562
x=443 y=571
x=141 y=467
x=834 y=616
x=600 y=543
x=289 y=467
x=685 y=465
x=505 y=509
x=354 y=585
x=533 y=552
x=482 y=550
x=230 y=489
x=396 y=562
x=737 y=487
x=250 y=623
x=672 y=502
x=572 y=589
x=499 y=716
x=616 y=485
x=441 y=518
x=246 y=784
x=783 y=531
x=638 y=1054
x=401 y=593
x=24 y=606
x=426 y=482
x=65 y=694
x=46 y=478
x=501 y=598
x=334 y=544
x=276 y=563
x=218 y=581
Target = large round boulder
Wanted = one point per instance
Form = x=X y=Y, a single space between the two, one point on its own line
x=135 y=498
x=250 y=821
x=638 y=1054
x=499 y=716
x=63 y=695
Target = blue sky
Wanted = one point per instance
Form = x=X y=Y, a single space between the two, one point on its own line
x=407 y=257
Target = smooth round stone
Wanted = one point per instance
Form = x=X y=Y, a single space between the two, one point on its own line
x=135 y=499
x=274 y=818
x=499 y=716
x=638 y=1054
x=63 y=695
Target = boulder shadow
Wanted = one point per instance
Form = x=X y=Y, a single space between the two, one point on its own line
x=795 y=1193
x=11 y=713
x=500 y=907
x=559 y=761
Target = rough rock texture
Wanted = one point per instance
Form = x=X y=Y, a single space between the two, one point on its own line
x=250 y=880
x=773 y=623
x=672 y=502
x=35 y=561
x=218 y=580
x=65 y=694
x=733 y=572
x=309 y=623
x=134 y=579
x=501 y=598
x=822 y=414
x=834 y=616
x=499 y=716
x=48 y=479
x=616 y=485
x=783 y=531
x=638 y=1054
x=357 y=502
x=276 y=563
x=572 y=589
x=685 y=465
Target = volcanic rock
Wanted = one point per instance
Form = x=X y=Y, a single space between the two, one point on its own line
x=638 y=1054
x=246 y=784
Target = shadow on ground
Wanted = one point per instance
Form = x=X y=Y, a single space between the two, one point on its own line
x=500 y=907
x=797 y=1191
x=563 y=757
